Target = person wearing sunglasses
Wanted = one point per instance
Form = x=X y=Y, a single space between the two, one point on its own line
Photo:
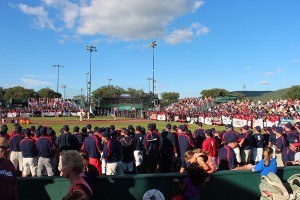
x=8 y=183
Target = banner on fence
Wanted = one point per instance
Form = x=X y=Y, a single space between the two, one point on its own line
x=161 y=117
x=226 y=120
x=239 y=122
x=208 y=121
x=258 y=122
x=201 y=119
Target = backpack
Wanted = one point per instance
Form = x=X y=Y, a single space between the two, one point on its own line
x=272 y=188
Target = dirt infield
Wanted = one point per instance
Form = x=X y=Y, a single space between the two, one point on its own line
x=85 y=121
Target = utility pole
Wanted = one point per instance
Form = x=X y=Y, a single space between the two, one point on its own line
x=91 y=49
x=58 y=66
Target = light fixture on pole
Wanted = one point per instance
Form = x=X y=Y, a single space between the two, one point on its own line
x=91 y=49
x=149 y=79
x=81 y=90
x=244 y=87
x=153 y=45
x=109 y=80
x=58 y=66
x=64 y=86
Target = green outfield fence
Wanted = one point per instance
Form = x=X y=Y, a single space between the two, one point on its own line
x=223 y=185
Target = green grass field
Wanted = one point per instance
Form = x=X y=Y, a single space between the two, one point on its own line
x=57 y=123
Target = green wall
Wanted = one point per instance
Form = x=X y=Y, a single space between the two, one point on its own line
x=223 y=185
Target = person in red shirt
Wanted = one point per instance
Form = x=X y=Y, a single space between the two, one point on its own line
x=210 y=145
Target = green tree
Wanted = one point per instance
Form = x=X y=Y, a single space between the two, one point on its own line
x=18 y=92
x=108 y=91
x=48 y=93
x=135 y=93
x=292 y=93
x=168 y=98
x=238 y=94
x=215 y=92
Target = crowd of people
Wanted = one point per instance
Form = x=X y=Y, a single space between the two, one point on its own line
x=132 y=150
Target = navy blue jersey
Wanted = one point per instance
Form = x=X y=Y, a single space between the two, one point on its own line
x=14 y=142
x=258 y=140
x=67 y=141
x=28 y=148
x=79 y=137
x=199 y=137
x=280 y=144
x=272 y=138
x=93 y=145
x=152 y=141
x=168 y=143
x=112 y=151
x=226 y=158
x=138 y=140
x=128 y=147
x=288 y=155
x=247 y=144
x=291 y=135
x=185 y=143
x=44 y=146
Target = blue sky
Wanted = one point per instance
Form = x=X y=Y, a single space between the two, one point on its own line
x=200 y=44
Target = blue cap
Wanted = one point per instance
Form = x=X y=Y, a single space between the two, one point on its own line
x=279 y=130
x=231 y=137
x=246 y=128
x=106 y=134
x=258 y=128
x=289 y=125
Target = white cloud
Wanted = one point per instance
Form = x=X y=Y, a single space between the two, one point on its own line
x=121 y=20
x=264 y=82
x=268 y=74
x=41 y=16
x=32 y=82
x=186 y=34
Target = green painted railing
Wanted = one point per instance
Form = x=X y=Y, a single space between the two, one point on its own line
x=223 y=185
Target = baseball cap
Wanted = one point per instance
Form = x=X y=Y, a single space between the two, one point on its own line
x=297 y=124
x=258 y=128
x=112 y=127
x=200 y=124
x=168 y=126
x=182 y=127
x=228 y=126
x=294 y=141
x=89 y=126
x=209 y=132
x=150 y=126
x=279 y=130
x=138 y=128
x=114 y=133
x=231 y=137
x=66 y=128
x=43 y=130
x=174 y=127
x=289 y=125
x=106 y=134
x=76 y=129
x=246 y=128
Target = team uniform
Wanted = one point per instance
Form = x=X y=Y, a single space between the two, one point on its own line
x=185 y=143
x=152 y=148
x=44 y=146
x=29 y=153
x=257 y=142
x=128 y=147
x=93 y=145
x=210 y=145
x=16 y=155
x=167 y=151
x=227 y=159
x=280 y=144
x=139 y=150
x=112 y=152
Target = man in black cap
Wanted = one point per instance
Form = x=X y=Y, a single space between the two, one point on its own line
x=246 y=145
x=258 y=144
x=168 y=150
x=289 y=131
x=65 y=142
x=226 y=158
x=78 y=135
x=199 y=136
x=288 y=154
x=280 y=144
x=16 y=155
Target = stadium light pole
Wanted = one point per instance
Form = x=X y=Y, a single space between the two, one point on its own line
x=153 y=45
x=91 y=49
x=109 y=80
x=244 y=87
x=81 y=89
x=64 y=86
x=58 y=66
x=149 y=79
x=87 y=86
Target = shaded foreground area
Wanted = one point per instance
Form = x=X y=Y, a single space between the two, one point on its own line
x=223 y=185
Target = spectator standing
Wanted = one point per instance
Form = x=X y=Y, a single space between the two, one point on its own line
x=8 y=183
x=246 y=145
x=210 y=145
x=72 y=166
x=78 y=135
x=199 y=136
x=185 y=143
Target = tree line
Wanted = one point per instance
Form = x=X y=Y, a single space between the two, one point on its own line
x=111 y=91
